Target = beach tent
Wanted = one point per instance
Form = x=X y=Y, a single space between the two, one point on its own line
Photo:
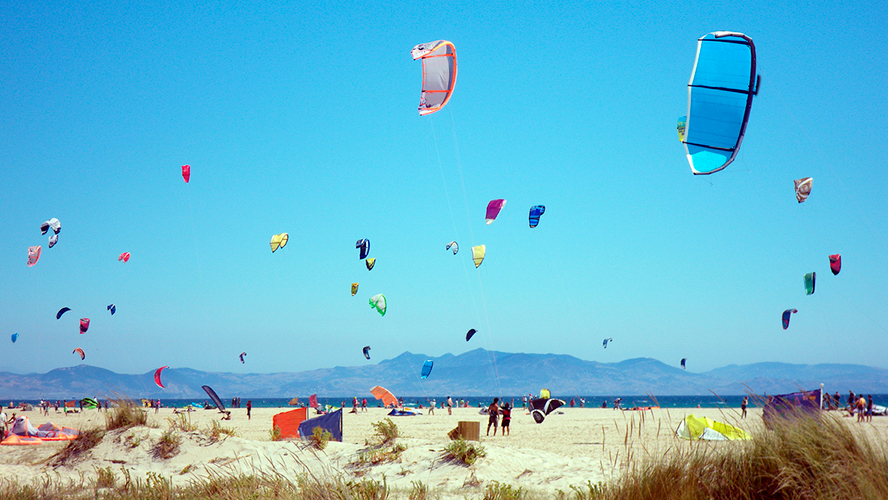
x=331 y=422
x=387 y=397
x=288 y=422
x=694 y=427
x=796 y=404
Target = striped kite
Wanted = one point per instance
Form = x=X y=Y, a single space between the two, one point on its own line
x=438 y=74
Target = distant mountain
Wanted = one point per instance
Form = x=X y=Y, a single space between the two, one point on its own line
x=474 y=373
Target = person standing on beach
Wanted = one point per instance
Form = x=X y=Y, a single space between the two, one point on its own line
x=364 y=405
x=869 y=408
x=507 y=419
x=743 y=407
x=432 y=407
x=449 y=406
x=493 y=416
x=249 y=407
x=861 y=409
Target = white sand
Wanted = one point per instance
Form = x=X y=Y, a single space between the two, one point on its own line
x=580 y=445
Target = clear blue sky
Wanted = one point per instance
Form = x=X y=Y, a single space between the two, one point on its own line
x=301 y=118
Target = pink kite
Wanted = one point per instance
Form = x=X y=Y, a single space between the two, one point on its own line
x=84 y=325
x=493 y=209
x=33 y=255
x=835 y=263
x=157 y=377
x=124 y=257
x=186 y=173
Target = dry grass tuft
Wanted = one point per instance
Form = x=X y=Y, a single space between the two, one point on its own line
x=168 y=445
x=124 y=415
x=74 y=450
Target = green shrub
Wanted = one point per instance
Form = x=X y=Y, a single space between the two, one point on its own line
x=215 y=431
x=463 y=451
x=275 y=433
x=386 y=431
x=124 y=414
x=320 y=437
x=500 y=491
x=168 y=445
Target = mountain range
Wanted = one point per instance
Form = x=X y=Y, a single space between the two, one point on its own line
x=471 y=374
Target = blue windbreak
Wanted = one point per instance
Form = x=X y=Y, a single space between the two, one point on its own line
x=331 y=422
x=719 y=98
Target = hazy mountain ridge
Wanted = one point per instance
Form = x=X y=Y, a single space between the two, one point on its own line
x=474 y=373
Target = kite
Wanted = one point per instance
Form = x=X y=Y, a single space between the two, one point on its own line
x=535 y=212
x=453 y=246
x=544 y=406
x=606 y=341
x=835 y=263
x=493 y=209
x=378 y=301
x=683 y=360
x=367 y=351
x=279 y=241
x=478 y=254
x=62 y=311
x=382 y=393
x=364 y=245
x=242 y=357
x=803 y=188
x=186 y=173
x=33 y=255
x=53 y=240
x=157 y=377
x=84 y=325
x=15 y=337
x=681 y=127
x=470 y=333
x=720 y=91
x=370 y=263
x=438 y=74
x=354 y=289
x=112 y=308
x=125 y=256
x=426 y=369
x=786 y=315
x=810 y=278
x=53 y=224
x=80 y=352
x=212 y=394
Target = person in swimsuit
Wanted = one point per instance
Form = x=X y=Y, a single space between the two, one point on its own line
x=743 y=407
x=507 y=419
x=493 y=416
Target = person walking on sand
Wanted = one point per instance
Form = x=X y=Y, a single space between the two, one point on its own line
x=493 y=416
x=449 y=406
x=507 y=419
x=432 y=407
x=249 y=407
x=743 y=407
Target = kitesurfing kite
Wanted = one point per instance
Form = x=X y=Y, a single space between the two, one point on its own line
x=385 y=395
x=810 y=278
x=378 y=301
x=453 y=246
x=279 y=241
x=835 y=263
x=803 y=188
x=354 y=289
x=370 y=263
x=157 y=377
x=242 y=357
x=125 y=256
x=493 y=209
x=683 y=360
x=62 y=311
x=186 y=173
x=606 y=341
x=544 y=406
x=84 y=325
x=364 y=245
x=723 y=83
x=786 y=315
x=15 y=337
x=535 y=212
x=80 y=352
x=426 y=369
x=33 y=255
x=438 y=74
x=478 y=254
x=470 y=333
x=215 y=397
x=53 y=239
x=53 y=224
x=112 y=308
x=367 y=351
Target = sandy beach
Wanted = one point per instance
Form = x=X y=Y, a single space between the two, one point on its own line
x=570 y=448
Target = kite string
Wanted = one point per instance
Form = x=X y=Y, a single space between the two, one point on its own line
x=472 y=234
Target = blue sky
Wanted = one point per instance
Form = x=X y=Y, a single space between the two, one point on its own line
x=302 y=119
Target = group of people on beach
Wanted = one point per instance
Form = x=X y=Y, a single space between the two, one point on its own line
x=493 y=413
